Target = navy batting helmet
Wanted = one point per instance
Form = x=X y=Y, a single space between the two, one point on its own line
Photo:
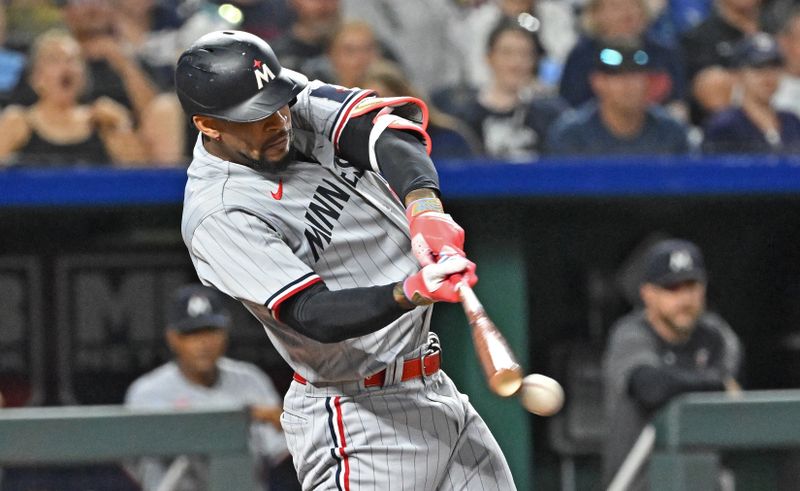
x=235 y=76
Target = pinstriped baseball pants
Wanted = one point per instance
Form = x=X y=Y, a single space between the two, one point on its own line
x=421 y=434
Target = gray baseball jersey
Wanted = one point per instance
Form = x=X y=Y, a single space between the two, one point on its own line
x=239 y=383
x=261 y=237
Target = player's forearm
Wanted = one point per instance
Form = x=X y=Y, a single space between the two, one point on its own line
x=334 y=316
x=405 y=164
x=652 y=387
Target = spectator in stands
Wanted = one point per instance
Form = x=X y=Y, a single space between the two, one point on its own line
x=624 y=21
x=115 y=72
x=58 y=129
x=200 y=376
x=755 y=126
x=707 y=50
x=450 y=137
x=670 y=346
x=352 y=49
x=552 y=20
x=512 y=113
x=140 y=25
x=621 y=120
x=787 y=97
x=672 y=18
x=309 y=35
x=418 y=33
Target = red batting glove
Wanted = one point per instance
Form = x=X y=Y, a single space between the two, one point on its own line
x=438 y=282
x=432 y=230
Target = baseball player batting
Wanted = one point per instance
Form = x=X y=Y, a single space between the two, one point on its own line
x=317 y=207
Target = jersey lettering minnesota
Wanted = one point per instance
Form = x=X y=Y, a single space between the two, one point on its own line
x=262 y=236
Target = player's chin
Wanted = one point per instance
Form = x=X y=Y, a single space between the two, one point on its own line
x=277 y=151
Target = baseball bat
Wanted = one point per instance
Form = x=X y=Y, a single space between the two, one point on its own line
x=503 y=373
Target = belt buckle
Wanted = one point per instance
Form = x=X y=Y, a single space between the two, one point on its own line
x=423 y=373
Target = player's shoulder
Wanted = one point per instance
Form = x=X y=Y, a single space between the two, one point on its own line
x=322 y=107
x=714 y=323
x=631 y=321
x=631 y=325
x=240 y=368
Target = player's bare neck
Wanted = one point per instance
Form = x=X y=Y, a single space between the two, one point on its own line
x=219 y=150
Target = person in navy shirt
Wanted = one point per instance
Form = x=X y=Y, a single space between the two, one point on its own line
x=755 y=126
x=620 y=120
x=623 y=21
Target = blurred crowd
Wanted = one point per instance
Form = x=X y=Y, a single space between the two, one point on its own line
x=90 y=81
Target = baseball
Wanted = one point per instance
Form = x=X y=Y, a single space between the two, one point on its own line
x=541 y=395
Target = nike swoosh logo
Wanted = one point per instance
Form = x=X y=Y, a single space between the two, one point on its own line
x=279 y=193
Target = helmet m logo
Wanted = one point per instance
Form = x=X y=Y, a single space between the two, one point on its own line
x=262 y=72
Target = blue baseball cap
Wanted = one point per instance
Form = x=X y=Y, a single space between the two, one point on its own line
x=757 y=51
x=195 y=307
x=621 y=58
x=674 y=261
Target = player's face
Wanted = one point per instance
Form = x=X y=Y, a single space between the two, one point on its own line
x=260 y=144
x=678 y=306
x=197 y=352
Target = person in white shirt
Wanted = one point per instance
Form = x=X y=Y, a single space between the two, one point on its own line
x=201 y=376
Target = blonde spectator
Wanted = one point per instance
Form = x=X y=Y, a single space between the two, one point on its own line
x=58 y=129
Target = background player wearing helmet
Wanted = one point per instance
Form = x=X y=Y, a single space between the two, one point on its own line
x=295 y=206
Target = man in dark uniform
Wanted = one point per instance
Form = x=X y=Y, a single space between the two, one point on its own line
x=671 y=346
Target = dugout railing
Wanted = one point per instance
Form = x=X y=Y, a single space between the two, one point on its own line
x=695 y=429
x=101 y=434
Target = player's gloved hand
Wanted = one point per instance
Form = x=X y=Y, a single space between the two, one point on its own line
x=431 y=230
x=437 y=282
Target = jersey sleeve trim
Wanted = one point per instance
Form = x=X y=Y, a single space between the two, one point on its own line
x=274 y=302
x=344 y=115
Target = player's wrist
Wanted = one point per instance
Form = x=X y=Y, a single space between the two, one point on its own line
x=420 y=193
x=423 y=205
x=400 y=296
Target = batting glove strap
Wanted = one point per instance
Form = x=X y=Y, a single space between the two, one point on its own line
x=437 y=282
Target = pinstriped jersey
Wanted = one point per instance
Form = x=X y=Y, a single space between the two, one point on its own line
x=263 y=235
